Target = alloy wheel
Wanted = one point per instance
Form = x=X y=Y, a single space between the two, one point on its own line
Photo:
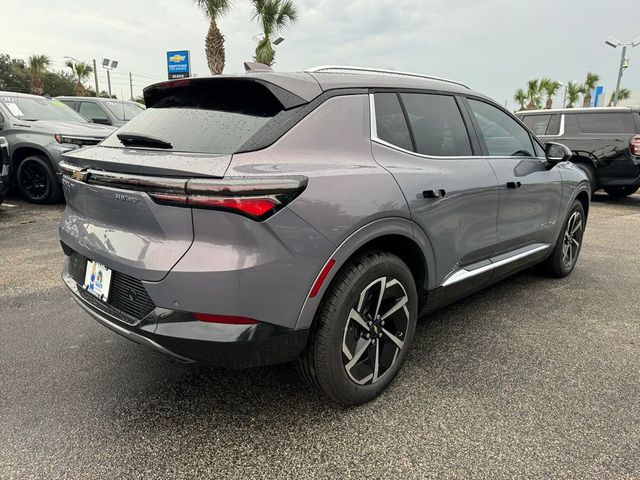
x=572 y=238
x=34 y=180
x=375 y=330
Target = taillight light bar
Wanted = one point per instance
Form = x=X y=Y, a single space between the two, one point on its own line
x=634 y=145
x=255 y=197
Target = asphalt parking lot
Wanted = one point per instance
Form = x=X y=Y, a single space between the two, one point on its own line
x=532 y=378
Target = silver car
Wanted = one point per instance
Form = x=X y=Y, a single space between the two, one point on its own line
x=106 y=111
x=39 y=130
x=311 y=217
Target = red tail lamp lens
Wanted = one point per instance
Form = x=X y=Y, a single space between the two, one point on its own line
x=255 y=207
x=226 y=319
x=634 y=145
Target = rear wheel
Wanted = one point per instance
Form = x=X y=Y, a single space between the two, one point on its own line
x=363 y=330
x=37 y=182
x=567 y=249
x=590 y=171
x=620 y=192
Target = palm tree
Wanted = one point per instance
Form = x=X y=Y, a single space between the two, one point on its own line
x=37 y=65
x=533 y=94
x=82 y=71
x=273 y=16
x=574 y=90
x=214 y=41
x=520 y=97
x=623 y=94
x=550 y=88
x=589 y=84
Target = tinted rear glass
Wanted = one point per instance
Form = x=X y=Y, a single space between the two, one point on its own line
x=437 y=125
x=537 y=123
x=391 y=125
x=605 y=122
x=203 y=117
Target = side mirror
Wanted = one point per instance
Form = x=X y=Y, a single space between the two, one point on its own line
x=557 y=152
x=102 y=121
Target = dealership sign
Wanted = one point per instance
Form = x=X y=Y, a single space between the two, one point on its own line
x=178 y=64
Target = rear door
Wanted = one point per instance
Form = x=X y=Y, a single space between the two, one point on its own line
x=530 y=192
x=606 y=136
x=422 y=139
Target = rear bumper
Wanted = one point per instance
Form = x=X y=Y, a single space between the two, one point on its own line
x=178 y=335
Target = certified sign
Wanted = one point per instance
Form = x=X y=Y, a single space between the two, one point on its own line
x=178 y=64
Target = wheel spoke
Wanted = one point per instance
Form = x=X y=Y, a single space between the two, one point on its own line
x=401 y=303
x=576 y=227
x=376 y=363
x=383 y=288
x=399 y=343
x=353 y=315
x=358 y=355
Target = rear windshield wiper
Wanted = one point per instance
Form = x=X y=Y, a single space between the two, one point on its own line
x=141 y=140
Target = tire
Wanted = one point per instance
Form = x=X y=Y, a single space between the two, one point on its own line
x=37 y=182
x=344 y=319
x=590 y=171
x=621 y=192
x=2 y=198
x=567 y=249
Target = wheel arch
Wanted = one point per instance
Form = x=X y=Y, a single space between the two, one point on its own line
x=396 y=235
x=22 y=152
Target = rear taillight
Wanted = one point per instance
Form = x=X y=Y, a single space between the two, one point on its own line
x=255 y=197
x=226 y=319
x=634 y=145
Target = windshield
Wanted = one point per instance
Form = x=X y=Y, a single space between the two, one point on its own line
x=124 y=110
x=33 y=108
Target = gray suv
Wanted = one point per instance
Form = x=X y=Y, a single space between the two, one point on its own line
x=310 y=217
x=39 y=131
x=106 y=111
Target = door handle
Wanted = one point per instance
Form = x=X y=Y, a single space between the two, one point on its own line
x=437 y=193
x=514 y=184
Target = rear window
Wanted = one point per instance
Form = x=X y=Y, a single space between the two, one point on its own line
x=203 y=117
x=605 y=122
x=391 y=125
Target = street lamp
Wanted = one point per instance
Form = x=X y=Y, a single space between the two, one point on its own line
x=624 y=62
x=278 y=41
x=109 y=65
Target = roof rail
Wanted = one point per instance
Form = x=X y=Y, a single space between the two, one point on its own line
x=325 y=68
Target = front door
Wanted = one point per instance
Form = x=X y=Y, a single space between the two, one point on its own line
x=422 y=139
x=530 y=191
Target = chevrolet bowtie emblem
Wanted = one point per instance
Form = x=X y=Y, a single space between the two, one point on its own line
x=80 y=175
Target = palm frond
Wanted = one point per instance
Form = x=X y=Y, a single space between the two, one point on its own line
x=213 y=9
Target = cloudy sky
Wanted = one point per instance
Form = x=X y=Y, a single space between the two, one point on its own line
x=494 y=46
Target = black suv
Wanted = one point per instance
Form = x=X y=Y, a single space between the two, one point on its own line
x=605 y=142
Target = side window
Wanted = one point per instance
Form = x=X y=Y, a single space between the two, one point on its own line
x=503 y=136
x=390 y=122
x=605 y=122
x=537 y=123
x=554 y=125
x=91 y=110
x=438 y=128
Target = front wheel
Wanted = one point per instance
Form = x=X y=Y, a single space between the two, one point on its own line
x=363 y=330
x=620 y=192
x=567 y=249
x=37 y=182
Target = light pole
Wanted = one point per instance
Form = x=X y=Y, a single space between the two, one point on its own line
x=624 y=62
x=109 y=65
x=564 y=100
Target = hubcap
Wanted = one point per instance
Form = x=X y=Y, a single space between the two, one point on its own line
x=375 y=330
x=34 y=180
x=572 y=238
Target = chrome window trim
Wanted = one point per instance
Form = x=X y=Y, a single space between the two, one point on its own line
x=374 y=138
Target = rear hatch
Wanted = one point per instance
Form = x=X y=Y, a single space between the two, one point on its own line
x=122 y=194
